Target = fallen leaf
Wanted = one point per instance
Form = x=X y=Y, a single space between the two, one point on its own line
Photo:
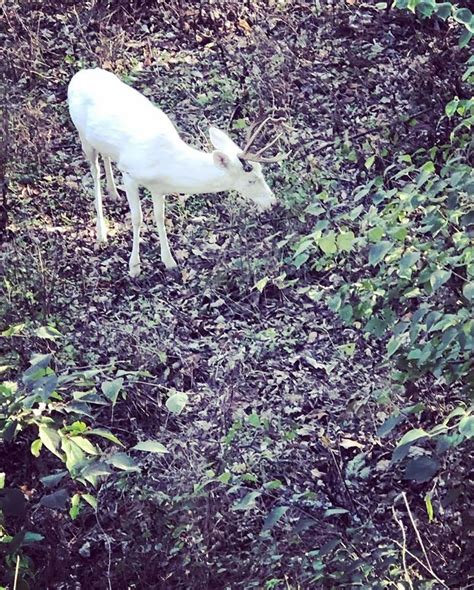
x=348 y=443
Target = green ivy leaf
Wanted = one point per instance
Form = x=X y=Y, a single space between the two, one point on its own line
x=459 y=411
x=394 y=344
x=261 y=284
x=51 y=440
x=74 y=454
x=375 y=234
x=411 y=436
x=13 y=330
x=224 y=477
x=85 y=445
x=443 y=10
x=465 y=38
x=327 y=243
x=77 y=427
x=426 y=171
x=315 y=209
x=104 y=434
x=123 y=461
x=353 y=214
x=36 y=447
x=274 y=517
x=300 y=259
x=49 y=481
x=47 y=333
x=468 y=291
x=274 y=484
x=30 y=538
x=429 y=508
x=409 y=259
x=248 y=502
x=304 y=245
x=438 y=278
x=466 y=426
x=369 y=162
x=335 y=512
x=150 y=446
x=75 y=506
x=378 y=252
x=347 y=349
x=254 y=420
x=92 y=471
x=463 y=15
x=345 y=240
x=421 y=469
x=176 y=402
x=111 y=389
x=45 y=386
x=91 y=500
x=451 y=107
x=426 y=8
x=389 y=425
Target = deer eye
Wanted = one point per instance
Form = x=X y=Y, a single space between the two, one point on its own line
x=247 y=166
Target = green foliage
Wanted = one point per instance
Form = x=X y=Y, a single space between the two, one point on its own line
x=399 y=264
x=267 y=515
x=403 y=266
x=54 y=414
x=420 y=451
x=444 y=11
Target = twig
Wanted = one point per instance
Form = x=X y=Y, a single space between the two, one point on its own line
x=341 y=477
x=420 y=541
x=17 y=571
x=423 y=565
x=88 y=367
x=403 y=547
x=107 y=542
x=413 y=523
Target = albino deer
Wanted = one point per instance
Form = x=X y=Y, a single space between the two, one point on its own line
x=122 y=125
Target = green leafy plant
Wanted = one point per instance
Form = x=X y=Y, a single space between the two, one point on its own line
x=408 y=260
x=422 y=465
x=444 y=11
x=56 y=413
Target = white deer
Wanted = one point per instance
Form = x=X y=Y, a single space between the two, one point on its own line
x=122 y=125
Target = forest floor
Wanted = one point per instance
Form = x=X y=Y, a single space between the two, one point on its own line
x=278 y=388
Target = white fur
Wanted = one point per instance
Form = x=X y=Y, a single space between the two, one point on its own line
x=122 y=125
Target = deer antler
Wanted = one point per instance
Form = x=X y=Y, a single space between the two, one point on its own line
x=252 y=134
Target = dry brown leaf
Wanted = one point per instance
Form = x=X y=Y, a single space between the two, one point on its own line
x=243 y=24
x=348 y=443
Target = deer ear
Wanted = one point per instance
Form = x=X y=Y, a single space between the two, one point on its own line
x=221 y=159
x=221 y=141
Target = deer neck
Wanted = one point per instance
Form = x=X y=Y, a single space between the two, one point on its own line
x=194 y=172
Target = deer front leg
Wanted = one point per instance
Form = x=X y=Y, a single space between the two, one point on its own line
x=93 y=156
x=159 y=211
x=131 y=189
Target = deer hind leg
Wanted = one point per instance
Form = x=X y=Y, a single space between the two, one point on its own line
x=131 y=189
x=109 y=175
x=159 y=211
x=93 y=156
